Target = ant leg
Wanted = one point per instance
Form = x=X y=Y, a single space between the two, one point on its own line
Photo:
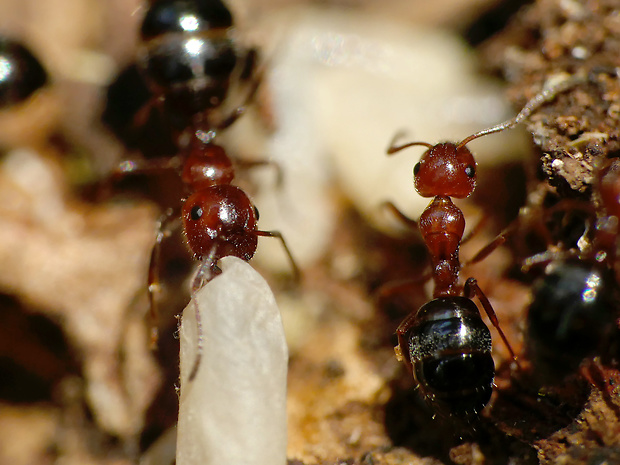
x=140 y=166
x=397 y=287
x=249 y=66
x=471 y=289
x=488 y=249
x=401 y=285
x=150 y=166
x=546 y=257
x=475 y=230
x=248 y=71
x=400 y=215
x=402 y=354
x=278 y=235
x=167 y=223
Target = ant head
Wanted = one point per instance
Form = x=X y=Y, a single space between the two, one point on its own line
x=220 y=221
x=445 y=169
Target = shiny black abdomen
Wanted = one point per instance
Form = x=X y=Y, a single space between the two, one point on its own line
x=21 y=74
x=450 y=352
x=570 y=318
x=188 y=54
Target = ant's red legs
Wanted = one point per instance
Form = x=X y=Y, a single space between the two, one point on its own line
x=472 y=289
x=167 y=223
x=147 y=166
x=488 y=249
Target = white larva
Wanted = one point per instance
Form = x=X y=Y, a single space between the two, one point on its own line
x=234 y=411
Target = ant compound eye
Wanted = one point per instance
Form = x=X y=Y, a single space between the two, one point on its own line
x=470 y=171
x=195 y=213
x=256 y=213
x=416 y=169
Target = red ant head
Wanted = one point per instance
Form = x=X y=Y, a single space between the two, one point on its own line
x=445 y=170
x=220 y=221
x=207 y=165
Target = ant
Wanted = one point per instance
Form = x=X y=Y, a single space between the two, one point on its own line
x=445 y=344
x=189 y=61
x=21 y=74
x=573 y=311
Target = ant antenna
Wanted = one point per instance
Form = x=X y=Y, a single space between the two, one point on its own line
x=554 y=86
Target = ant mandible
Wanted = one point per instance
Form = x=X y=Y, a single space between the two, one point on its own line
x=445 y=344
x=189 y=60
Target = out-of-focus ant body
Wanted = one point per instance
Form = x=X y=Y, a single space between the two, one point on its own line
x=574 y=306
x=189 y=60
x=445 y=343
x=21 y=74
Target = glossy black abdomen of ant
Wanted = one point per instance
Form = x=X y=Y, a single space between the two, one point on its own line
x=188 y=54
x=21 y=74
x=570 y=315
x=574 y=309
x=449 y=348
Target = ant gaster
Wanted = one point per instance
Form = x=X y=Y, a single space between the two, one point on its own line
x=21 y=74
x=445 y=343
x=574 y=308
x=189 y=59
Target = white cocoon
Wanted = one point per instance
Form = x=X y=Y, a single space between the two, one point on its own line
x=234 y=410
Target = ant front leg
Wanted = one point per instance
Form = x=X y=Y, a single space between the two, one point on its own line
x=133 y=167
x=402 y=285
x=471 y=289
x=167 y=223
x=278 y=235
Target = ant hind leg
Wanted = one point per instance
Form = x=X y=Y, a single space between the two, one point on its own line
x=471 y=289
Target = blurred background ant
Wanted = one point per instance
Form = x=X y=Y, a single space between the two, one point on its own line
x=21 y=73
x=574 y=311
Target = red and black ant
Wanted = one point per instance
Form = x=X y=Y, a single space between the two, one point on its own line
x=21 y=74
x=445 y=343
x=574 y=311
x=189 y=60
